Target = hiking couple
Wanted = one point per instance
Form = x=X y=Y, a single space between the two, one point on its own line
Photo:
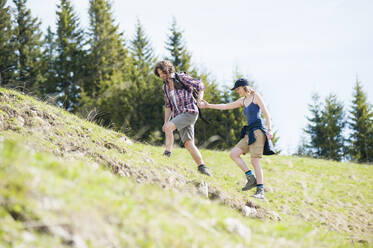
x=181 y=113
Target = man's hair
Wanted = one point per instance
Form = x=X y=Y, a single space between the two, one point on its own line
x=165 y=66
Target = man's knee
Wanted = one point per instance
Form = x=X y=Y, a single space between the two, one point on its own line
x=189 y=144
x=169 y=127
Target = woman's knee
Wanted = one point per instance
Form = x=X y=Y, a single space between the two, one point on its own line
x=255 y=160
x=234 y=154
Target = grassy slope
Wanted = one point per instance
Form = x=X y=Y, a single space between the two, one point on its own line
x=57 y=189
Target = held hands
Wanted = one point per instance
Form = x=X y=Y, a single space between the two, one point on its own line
x=202 y=104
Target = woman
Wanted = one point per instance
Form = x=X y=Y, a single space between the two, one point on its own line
x=254 y=137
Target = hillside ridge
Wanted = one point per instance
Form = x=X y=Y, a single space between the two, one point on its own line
x=48 y=129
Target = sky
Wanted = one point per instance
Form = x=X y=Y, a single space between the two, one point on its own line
x=290 y=48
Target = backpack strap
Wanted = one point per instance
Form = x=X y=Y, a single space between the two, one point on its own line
x=181 y=82
x=194 y=94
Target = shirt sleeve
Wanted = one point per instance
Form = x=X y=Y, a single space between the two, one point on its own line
x=166 y=100
x=195 y=83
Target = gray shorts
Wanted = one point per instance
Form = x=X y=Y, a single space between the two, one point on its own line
x=185 y=125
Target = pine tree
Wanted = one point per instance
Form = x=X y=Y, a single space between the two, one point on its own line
x=28 y=49
x=107 y=54
x=361 y=125
x=179 y=56
x=325 y=129
x=49 y=68
x=141 y=50
x=333 y=118
x=7 y=49
x=110 y=86
x=315 y=129
x=69 y=56
x=302 y=148
x=145 y=90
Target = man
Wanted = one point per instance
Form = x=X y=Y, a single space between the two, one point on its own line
x=181 y=111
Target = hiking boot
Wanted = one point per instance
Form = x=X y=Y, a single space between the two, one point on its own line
x=251 y=182
x=259 y=193
x=204 y=170
x=167 y=154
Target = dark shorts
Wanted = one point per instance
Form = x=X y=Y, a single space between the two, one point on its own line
x=185 y=125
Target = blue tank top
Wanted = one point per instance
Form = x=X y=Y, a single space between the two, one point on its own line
x=252 y=112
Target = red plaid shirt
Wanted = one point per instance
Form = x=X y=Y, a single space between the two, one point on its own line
x=184 y=98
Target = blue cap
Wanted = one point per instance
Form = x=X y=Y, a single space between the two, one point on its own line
x=240 y=82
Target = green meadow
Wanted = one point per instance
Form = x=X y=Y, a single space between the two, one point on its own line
x=66 y=182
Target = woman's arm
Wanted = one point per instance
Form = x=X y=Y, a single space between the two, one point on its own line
x=259 y=101
x=223 y=106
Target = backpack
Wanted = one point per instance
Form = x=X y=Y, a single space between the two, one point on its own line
x=194 y=93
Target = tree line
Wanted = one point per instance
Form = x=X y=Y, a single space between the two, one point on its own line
x=335 y=133
x=103 y=76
